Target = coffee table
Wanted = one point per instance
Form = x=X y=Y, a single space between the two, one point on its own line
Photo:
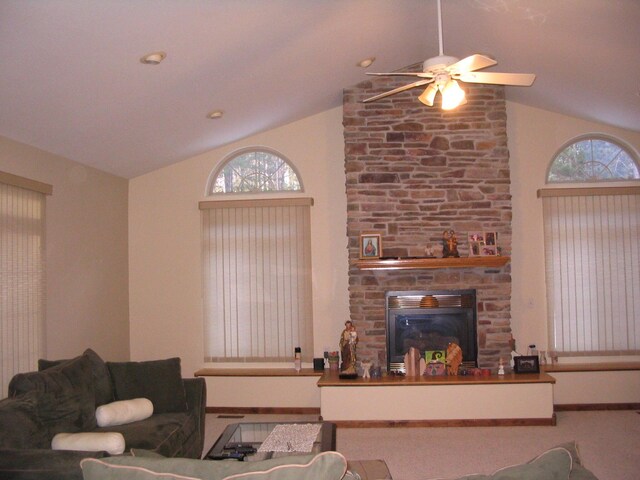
x=237 y=438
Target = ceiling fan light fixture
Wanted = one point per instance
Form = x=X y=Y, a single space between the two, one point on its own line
x=452 y=95
x=365 y=63
x=153 y=58
x=215 y=114
x=428 y=96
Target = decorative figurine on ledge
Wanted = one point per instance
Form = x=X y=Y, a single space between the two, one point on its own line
x=454 y=359
x=366 y=369
x=449 y=244
x=348 y=342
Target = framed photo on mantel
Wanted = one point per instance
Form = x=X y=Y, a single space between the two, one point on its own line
x=370 y=245
x=483 y=244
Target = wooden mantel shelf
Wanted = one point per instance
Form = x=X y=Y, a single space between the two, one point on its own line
x=425 y=263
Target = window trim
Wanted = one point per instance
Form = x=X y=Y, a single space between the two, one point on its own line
x=632 y=152
x=26 y=183
x=213 y=176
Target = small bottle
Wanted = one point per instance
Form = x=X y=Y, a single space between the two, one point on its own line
x=297 y=359
x=532 y=350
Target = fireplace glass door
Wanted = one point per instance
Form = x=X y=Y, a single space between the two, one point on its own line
x=428 y=321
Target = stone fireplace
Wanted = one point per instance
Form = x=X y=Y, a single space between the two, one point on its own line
x=411 y=173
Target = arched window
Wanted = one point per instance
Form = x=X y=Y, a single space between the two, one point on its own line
x=592 y=248
x=594 y=158
x=255 y=170
x=256 y=262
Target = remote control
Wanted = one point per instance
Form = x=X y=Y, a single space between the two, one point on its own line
x=228 y=455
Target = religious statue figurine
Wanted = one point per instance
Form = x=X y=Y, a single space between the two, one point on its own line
x=348 y=341
x=449 y=244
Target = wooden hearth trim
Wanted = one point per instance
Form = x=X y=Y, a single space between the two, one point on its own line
x=333 y=380
x=584 y=407
x=491 y=422
x=265 y=410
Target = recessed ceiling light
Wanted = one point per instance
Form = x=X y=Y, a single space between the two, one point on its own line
x=153 y=58
x=215 y=114
x=366 y=62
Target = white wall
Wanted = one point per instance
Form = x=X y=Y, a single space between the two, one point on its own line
x=164 y=249
x=86 y=253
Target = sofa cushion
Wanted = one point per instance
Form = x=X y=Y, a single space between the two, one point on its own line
x=101 y=378
x=123 y=412
x=168 y=434
x=559 y=463
x=158 y=380
x=325 y=466
x=67 y=401
x=110 y=442
x=21 y=427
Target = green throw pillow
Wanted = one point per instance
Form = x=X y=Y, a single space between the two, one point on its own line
x=158 y=380
x=101 y=379
x=67 y=401
x=325 y=466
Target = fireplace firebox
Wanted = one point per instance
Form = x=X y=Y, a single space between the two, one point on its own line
x=430 y=320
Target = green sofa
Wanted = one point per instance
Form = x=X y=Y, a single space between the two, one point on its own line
x=62 y=397
x=559 y=463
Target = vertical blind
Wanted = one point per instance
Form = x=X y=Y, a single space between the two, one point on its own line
x=22 y=274
x=592 y=250
x=257 y=280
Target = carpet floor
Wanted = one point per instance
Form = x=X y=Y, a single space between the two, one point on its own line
x=609 y=444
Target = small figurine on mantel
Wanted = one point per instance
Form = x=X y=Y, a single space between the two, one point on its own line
x=348 y=342
x=449 y=244
x=366 y=368
x=454 y=358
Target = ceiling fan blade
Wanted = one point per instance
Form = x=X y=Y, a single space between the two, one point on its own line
x=408 y=74
x=516 y=79
x=471 y=63
x=398 y=90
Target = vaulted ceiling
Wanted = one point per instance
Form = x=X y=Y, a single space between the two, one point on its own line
x=71 y=80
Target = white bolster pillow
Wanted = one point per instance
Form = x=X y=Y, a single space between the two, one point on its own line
x=111 y=442
x=123 y=411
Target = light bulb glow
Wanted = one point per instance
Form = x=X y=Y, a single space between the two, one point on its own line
x=452 y=95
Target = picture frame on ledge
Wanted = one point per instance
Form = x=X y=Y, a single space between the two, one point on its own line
x=370 y=246
x=526 y=364
x=483 y=244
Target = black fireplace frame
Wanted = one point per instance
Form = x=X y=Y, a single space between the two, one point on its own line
x=439 y=303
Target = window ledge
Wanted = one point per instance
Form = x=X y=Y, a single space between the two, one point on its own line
x=256 y=372
x=592 y=367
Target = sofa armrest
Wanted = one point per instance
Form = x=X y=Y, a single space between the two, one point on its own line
x=196 y=393
x=45 y=464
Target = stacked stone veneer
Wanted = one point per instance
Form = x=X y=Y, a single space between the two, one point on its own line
x=412 y=172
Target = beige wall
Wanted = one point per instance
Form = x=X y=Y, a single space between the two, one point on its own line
x=164 y=249
x=87 y=287
x=164 y=229
x=535 y=136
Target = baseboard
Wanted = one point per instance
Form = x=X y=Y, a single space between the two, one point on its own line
x=491 y=422
x=567 y=407
x=265 y=410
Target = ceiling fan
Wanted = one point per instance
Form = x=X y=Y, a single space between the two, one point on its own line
x=442 y=73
